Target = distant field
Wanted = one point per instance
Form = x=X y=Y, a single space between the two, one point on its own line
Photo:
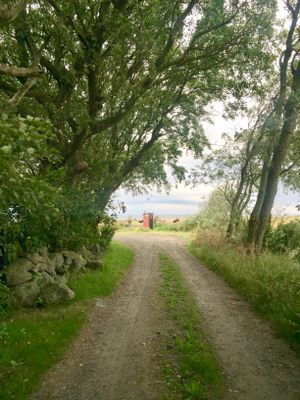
x=276 y=220
x=176 y=223
x=158 y=221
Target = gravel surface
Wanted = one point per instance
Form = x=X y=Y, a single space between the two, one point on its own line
x=118 y=354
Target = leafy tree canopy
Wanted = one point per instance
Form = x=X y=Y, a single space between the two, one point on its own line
x=115 y=90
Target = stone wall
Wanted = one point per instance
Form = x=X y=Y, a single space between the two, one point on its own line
x=41 y=277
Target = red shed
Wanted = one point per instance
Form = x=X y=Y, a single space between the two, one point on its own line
x=148 y=220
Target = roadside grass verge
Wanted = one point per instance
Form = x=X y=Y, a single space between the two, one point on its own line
x=270 y=282
x=102 y=283
x=194 y=373
x=32 y=340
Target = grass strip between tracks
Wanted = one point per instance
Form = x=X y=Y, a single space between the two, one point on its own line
x=194 y=373
x=35 y=339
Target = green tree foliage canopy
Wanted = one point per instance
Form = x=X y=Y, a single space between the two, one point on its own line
x=123 y=85
x=121 y=75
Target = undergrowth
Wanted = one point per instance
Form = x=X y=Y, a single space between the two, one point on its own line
x=195 y=374
x=33 y=340
x=270 y=282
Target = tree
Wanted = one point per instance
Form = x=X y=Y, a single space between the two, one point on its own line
x=235 y=167
x=215 y=213
x=290 y=172
x=124 y=85
x=9 y=11
x=281 y=123
x=125 y=76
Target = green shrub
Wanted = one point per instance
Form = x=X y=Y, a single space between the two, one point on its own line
x=107 y=227
x=37 y=207
x=285 y=239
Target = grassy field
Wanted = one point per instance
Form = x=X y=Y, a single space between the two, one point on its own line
x=194 y=373
x=271 y=283
x=33 y=340
x=276 y=220
x=160 y=224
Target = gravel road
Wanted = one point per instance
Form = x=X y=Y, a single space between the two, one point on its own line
x=117 y=355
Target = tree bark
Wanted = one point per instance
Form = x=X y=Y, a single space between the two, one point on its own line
x=269 y=178
x=254 y=217
x=19 y=71
x=291 y=116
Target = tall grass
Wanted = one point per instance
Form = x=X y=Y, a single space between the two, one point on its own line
x=33 y=340
x=271 y=283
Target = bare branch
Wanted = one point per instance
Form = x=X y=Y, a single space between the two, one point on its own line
x=15 y=100
x=19 y=71
x=291 y=166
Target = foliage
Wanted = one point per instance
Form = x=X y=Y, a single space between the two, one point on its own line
x=106 y=94
x=124 y=84
x=36 y=208
x=187 y=225
x=36 y=339
x=107 y=228
x=271 y=283
x=281 y=126
x=285 y=238
x=4 y=298
x=194 y=373
x=27 y=203
x=215 y=214
x=290 y=173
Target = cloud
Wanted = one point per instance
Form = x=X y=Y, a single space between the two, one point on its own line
x=183 y=200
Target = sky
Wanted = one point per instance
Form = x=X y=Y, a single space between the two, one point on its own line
x=183 y=200
x=186 y=200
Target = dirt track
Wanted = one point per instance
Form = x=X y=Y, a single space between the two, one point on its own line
x=117 y=356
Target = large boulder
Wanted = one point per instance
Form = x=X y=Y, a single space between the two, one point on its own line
x=43 y=251
x=59 y=263
x=87 y=254
x=44 y=279
x=27 y=293
x=94 y=264
x=42 y=263
x=75 y=261
x=19 y=272
x=63 y=278
x=68 y=256
x=78 y=263
x=56 y=292
x=57 y=259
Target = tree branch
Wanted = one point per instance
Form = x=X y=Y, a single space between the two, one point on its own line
x=15 y=100
x=20 y=71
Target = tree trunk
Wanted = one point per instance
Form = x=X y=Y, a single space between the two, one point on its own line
x=104 y=194
x=290 y=121
x=269 y=179
x=235 y=209
x=233 y=220
x=254 y=217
